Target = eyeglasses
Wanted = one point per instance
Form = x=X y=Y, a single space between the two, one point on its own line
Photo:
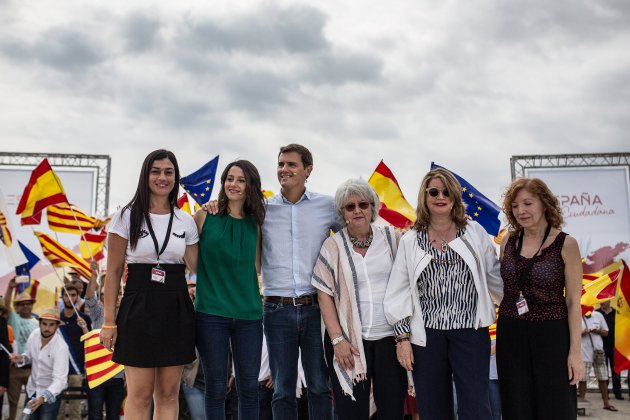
x=434 y=192
x=23 y=303
x=363 y=205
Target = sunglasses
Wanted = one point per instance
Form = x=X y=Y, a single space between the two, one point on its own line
x=434 y=192
x=363 y=205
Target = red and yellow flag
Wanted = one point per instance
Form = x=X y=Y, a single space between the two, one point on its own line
x=600 y=287
x=5 y=234
x=92 y=245
x=394 y=208
x=60 y=256
x=43 y=189
x=62 y=219
x=622 y=321
x=98 y=360
x=184 y=205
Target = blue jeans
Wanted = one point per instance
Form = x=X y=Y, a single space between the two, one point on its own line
x=194 y=399
x=112 y=393
x=495 y=399
x=290 y=329
x=214 y=336
x=47 y=411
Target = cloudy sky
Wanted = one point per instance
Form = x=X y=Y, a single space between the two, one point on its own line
x=466 y=84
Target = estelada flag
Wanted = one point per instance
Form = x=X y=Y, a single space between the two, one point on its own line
x=394 y=208
x=68 y=218
x=98 y=360
x=622 y=321
x=43 y=189
x=60 y=256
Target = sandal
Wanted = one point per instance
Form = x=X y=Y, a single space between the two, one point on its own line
x=610 y=408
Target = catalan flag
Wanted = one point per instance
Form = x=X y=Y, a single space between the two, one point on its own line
x=43 y=189
x=92 y=245
x=184 y=205
x=622 y=321
x=394 y=208
x=199 y=184
x=5 y=234
x=69 y=218
x=60 y=256
x=478 y=207
x=98 y=360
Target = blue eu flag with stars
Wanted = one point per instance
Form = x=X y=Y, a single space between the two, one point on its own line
x=199 y=184
x=478 y=206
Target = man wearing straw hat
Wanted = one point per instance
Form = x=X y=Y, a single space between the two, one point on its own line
x=47 y=352
x=23 y=323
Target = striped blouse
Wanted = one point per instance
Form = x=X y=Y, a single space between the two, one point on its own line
x=446 y=290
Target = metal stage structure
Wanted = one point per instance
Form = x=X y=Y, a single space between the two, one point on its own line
x=519 y=164
x=101 y=164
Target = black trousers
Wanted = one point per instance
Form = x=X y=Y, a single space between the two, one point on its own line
x=532 y=368
x=384 y=373
x=616 y=378
x=462 y=355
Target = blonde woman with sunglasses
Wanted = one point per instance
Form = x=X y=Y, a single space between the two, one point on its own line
x=441 y=297
x=351 y=276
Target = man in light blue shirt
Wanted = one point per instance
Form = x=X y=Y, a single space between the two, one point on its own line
x=296 y=223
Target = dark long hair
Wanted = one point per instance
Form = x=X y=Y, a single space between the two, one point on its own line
x=254 y=199
x=139 y=204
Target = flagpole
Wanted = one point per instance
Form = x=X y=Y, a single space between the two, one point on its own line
x=82 y=234
x=63 y=268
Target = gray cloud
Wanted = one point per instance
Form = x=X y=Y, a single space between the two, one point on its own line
x=296 y=29
x=141 y=33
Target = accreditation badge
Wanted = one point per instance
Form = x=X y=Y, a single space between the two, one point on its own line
x=521 y=305
x=158 y=274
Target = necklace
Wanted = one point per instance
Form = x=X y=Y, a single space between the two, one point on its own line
x=362 y=244
x=443 y=241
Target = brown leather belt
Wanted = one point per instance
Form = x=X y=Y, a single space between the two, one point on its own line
x=295 y=301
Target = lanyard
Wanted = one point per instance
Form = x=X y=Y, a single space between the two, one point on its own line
x=525 y=272
x=159 y=251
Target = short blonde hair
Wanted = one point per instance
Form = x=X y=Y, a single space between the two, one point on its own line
x=454 y=188
x=537 y=187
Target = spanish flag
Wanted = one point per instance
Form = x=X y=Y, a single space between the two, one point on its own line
x=622 y=321
x=69 y=218
x=5 y=234
x=43 y=189
x=184 y=205
x=600 y=287
x=394 y=208
x=60 y=256
x=98 y=360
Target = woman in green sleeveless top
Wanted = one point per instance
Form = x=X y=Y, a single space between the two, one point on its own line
x=228 y=305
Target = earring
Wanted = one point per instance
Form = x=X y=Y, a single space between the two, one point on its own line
x=347 y=222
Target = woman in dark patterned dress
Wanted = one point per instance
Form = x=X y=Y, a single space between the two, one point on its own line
x=539 y=359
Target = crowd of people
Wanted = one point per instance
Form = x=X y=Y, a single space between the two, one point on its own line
x=367 y=314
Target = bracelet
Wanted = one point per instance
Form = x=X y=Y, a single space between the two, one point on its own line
x=403 y=337
x=337 y=340
x=109 y=327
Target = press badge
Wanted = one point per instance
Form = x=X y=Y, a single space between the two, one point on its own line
x=158 y=275
x=521 y=305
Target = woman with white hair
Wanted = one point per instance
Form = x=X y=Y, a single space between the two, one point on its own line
x=351 y=276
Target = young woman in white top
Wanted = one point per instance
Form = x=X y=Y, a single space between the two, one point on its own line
x=153 y=332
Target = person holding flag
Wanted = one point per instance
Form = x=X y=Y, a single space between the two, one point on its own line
x=153 y=335
x=539 y=358
x=23 y=322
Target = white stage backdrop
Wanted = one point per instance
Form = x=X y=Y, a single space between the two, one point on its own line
x=596 y=208
x=80 y=187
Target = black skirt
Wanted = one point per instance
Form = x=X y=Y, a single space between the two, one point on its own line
x=156 y=322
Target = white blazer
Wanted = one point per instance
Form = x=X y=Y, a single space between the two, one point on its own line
x=475 y=248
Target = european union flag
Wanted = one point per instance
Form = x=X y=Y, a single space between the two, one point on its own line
x=479 y=207
x=199 y=184
x=25 y=269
